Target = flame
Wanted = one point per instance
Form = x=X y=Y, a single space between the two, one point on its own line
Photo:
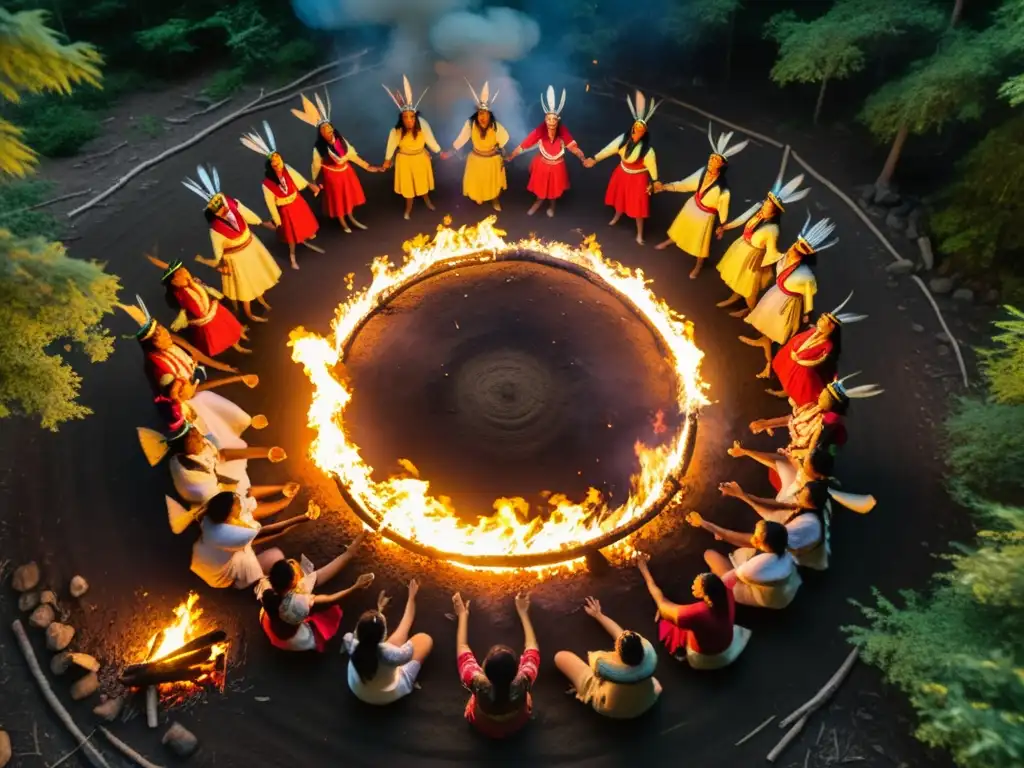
x=165 y=642
x=403 y=503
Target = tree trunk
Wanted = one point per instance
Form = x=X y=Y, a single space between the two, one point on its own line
x=958 y=8
x=885 y=177
x=821 y=99
x=729 y=44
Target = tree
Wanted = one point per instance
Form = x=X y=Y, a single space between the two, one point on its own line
x=46 y=297
x=834 y=46
x=33 y=59
x=1011 y=18
x=689 y=22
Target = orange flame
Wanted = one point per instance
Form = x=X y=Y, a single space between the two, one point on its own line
x=174 y=636
x=403 y=503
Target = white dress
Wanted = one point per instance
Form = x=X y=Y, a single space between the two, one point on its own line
x=220 y=419
x=396 y=673
x=778 y=315
x=764 y=580
x=809 y=539
x=198 y=484
x=295 y=609
x=223 y=556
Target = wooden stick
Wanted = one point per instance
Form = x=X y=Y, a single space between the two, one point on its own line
x=104 y=153
x=127 y=751
x=357 y=70
x=791 y=734
x=192 y=673
x=202 y=642
x=314 y=248
x=200 y=113
x=73 y=751
x=144 y=166
x=94 y=756
x=754 y=732
x=826 y=690
x=47 y=203
x=152 y=704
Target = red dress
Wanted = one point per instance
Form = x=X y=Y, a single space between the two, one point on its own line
x=166 y=366
x=212 y=328
x=498 y=727
x=549 y=178
x=325 y=625
x=342 y=191
x=803 y=369
x=832 y=437
x=298 y=223
x=627 y=190
x=698 y=628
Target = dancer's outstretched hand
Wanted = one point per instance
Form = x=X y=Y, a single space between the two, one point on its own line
x=592 y=607
x=523 y=603
x=731 y=488
x=382 y=601
x=460 y=607
x=735 y=450
x=694 y=519
x=364 y=580
x=414 y=587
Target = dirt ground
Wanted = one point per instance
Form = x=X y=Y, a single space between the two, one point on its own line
x=84 y=500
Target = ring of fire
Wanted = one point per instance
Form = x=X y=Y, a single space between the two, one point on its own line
x=403 y=510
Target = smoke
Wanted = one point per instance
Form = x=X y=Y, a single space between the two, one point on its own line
x=447 y=38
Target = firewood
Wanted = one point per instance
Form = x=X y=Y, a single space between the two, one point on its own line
x=193 y=672
x=201 y=643
x=152 y=705
x=826 y=690
x=791 y=734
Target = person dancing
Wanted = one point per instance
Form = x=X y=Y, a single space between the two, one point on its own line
x=695 y=223
x=333 y=155
x=484 y=179
x=549 y=178
x=410 y=143
x=629 y=187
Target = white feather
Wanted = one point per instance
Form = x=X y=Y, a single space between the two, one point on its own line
x=216 y=180
x=142 y=306
x=848 y=317
x=204 y=178
x=391 y=96
x=271 y=141
x=651 y=109
x=327 y=114
x=735 y=150
x=843 y=304
x=711 y=140
x=485 y=93
x=194 y=188
x=632 y=109
x=795 y=196
x=641 y=104
x=561 y=103
x=408 y=89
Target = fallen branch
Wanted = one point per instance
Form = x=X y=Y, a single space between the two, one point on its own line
x=200 y=113
x=826 y=690
x=47 y=203
x=127 y=751
x=73 y=751
x=786 y=740
x=754 y=732
x=94 y=756
x=248 y=109
x=104 y=153
x=285 y=99
x=160 y=666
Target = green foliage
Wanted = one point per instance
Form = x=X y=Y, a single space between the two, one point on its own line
x=986 y=453
x=149 y=126
x=167 y=39
x=56 y=130
x=224 y=83
x=1010 y=19
x=16 y=197
x=1003 y=365
x=689 y=21
x=48 y=299
x=594 y=27
x=978 y=217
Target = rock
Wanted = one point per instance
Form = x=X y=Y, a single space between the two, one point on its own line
x=901 y=267
x=78 y=587
x=109 y=710
x=911 y=232
x=85 y=687
x=940 y=285
x=917 y=328
x=875 y=212
x=28 y=601
x=895 y=222
x=179 y=740
x=892 y=282
x=866 y=192
x=942 y=351
x=42 y=617
x=904 y=208
x=5 y=749
x=942 y=337
x=48 y=597
x=865 y=203
x=59 y=636
x=887 y=197
x=924 y=245
x=26 y=577
x=60 y=663
x=963 y=294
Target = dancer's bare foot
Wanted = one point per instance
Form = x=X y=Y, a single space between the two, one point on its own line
x=766 y=373
x=295 y=264
x=406 y=216
x=663 y=246
x=731 y=300
x=551 y=212
x=615 y=220
x=639 y=240
x=496 y=205
x=256 y=319
x=696 y=270
x=263 y=303
x=239 y=348
x=750 y=342
x=430 y=205
x=740 y=313
x=356 y=224
x=776 y=393
x=259 y=421
x=534 y=208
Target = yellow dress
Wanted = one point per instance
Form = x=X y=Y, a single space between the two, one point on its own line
x=484 y=179
x=694 y=226
x=746 y=265
x=253 y=270
x=414 y=173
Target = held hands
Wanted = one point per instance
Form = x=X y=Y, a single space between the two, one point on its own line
x=589 y=162
x=445 y=155
x=269 y=225
x=460 y=607
x=719 y=231
x=522 y=603
x=315 y=189
x=658 y=186
x=387 y=165
x=592 y=608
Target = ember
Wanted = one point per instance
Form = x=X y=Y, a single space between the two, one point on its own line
x=402 y=506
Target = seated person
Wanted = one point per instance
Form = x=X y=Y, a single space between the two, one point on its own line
x=500 y=703
x=619 y=684
x=763 y=574
x=703 y=633
x=292 y=616
x=382 y=669
x=224 y=556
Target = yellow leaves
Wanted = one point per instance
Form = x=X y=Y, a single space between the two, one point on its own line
x=16 y=158
x=935 y=689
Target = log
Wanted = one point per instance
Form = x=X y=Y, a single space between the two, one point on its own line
x=203 y=642
x=200 y=113
x=825 y=692
x=193 y=673
x=127 y=751
x=152 y=705
x=146 y=165
x=47 y=203
x=104 y=153
x=94 y=756
x=786 y=740
x=201 y=656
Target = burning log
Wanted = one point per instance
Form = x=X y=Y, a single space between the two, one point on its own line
x=171 y=675
x=201 y=644
x=161 y=667
x=152 y=694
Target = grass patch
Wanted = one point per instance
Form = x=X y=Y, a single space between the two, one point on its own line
x=224 y=84
x=15 y=197
x=57 y=130
x=149 y=126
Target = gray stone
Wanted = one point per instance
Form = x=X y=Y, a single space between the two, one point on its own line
x=85 y=687
x=42 y=617
x=942 y=351
x=911 y=232
x=866 y=192
x=887 y=197
x=864 y=203
x=26 y=577
x=901 y=267
x=924 y=245
x=940 y=285
x=942 y=337
x=179 y=740
x=28 y=601
x=917 y=327
x=895 y=222
x=59 y=636
x=904 y=208
x=78 y=587
x=109 y=710
x=963 y=294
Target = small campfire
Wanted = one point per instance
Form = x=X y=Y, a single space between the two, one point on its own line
x=180 y=662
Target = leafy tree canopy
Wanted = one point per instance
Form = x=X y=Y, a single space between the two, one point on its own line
x=1010 y=18
x=688 y=20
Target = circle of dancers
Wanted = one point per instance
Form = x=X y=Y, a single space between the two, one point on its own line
x=202 y=440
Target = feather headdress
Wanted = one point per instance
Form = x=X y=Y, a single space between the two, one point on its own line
x=403 y=99
x=861 y=503
x=840 y=392
x=169 y=269
x=314 y=114
x=139 y=313
x=155 y=445
x=722 y=148
x=181 y=517
x=208 y=187
x=484 y=100
x=812 y=238
x=641 y=110
x=265 y=145
x=782 y=195
x=839 y=317
x=547 y=102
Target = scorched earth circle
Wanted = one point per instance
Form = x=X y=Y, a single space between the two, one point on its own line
x=402 y=507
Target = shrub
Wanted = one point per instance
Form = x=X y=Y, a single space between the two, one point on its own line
x=58 y=130
x=15 y=198
x=224 y=83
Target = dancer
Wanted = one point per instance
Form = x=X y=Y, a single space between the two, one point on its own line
x=765 y=574
x=294 y=618
x=410 y=143
x=695 y=223
x=332 y=154
x=247 y=269
x=629 y=189
x=810 y=359
x=282 y=185
x=211 y=327
x=500 y=703
x=702 y=633
x=224 y=555
x=383 y=668
x=619 y=684
x=746 y=265
x=549 y=178
x=787 y=304
x=484 y=179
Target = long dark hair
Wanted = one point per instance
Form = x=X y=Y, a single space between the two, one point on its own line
x=644 y=143
x=369 y=632
x=501 y=668
x=475 y=120
x=270 y=174
x=281 y=577
x=415 y=128
x=323 y=147
x=716 y=592
x=776 y=537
